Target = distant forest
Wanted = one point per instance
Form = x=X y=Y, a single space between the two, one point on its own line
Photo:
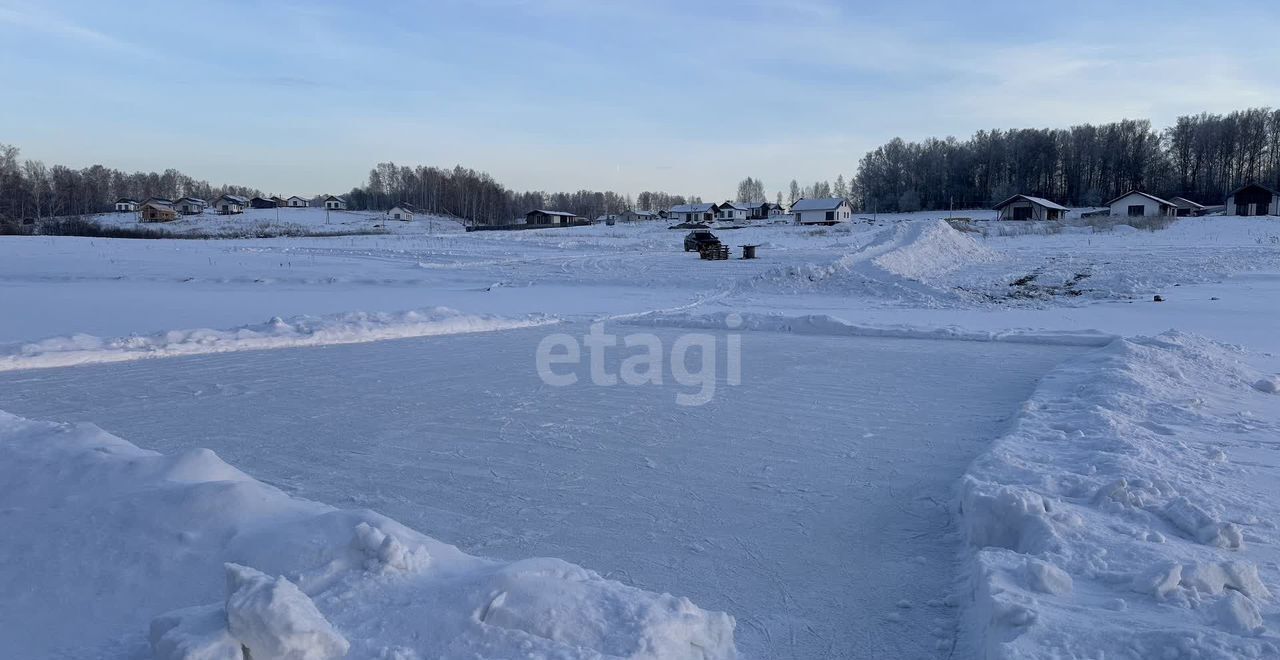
x=1200 y=157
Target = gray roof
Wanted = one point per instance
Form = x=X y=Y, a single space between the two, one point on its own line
x=1039 y=201
x=564 y=214
x=1186 y=203
x=820 y=204
x=168 y=206
x=234 y=198
x=1162 y=202
x=693 y=208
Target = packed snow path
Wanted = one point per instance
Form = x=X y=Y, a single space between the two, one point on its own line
x=811 y=501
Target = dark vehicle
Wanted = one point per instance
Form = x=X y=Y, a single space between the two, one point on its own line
x=699 y=238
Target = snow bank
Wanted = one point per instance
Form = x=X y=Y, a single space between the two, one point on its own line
x=823 y=324
x=905 y=262
x=1131 y=511
x=350 y=328
x=114 y=551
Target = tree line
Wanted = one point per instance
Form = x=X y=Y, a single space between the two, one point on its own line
x=1201 y=157
x=475 y=196
x=30 y=189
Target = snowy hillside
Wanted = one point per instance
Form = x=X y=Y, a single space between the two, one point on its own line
x=284 y=222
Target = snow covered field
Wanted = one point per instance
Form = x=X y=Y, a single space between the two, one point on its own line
x=943 y=445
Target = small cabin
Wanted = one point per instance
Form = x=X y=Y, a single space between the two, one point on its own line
x=335 y=203
x=1026 y=207
x=400 y=212
x=637 y=216
x=821 y=211
x=297 y=202
x=279 y=201
x=154 y=210
x=262 y=203
x=1137 y=204
x=126 y=205
x=1253 y=199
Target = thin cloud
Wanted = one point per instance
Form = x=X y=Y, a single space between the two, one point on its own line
x=42 y=21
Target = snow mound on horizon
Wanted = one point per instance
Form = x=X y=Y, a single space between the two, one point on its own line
x=1126 y=514
x=906 y=262
x=105 y=540
x=297 y=331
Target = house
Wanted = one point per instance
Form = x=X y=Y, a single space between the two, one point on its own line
x=401 y=211
x=230 y=204
x=693 y=212
x=822 y=211
x=637 y=216
x=262 y=203
x=606 y=219
x=1187 y=207
x=335 y=203
x=157 y=210
x=190 y=205
x=126 y=205
x=732 y=212
x=1026 y=207
x=1137 y=204
x=1253 y=199
x=755 y=210
x=297 y=202
x=775 y=210
x=551 y=218
x=279 y=201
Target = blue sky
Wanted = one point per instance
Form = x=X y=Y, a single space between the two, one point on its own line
x=687 y=97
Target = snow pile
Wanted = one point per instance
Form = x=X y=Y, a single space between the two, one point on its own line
x=349 y=328
x=824 y=324
x=905 y=262
x=106 y=542
x=1131 y=512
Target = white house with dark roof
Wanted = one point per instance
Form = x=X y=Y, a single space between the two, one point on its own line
x=732 y=212
x=230 y=204
x=821 y=211
x=1026 y=207
x=693 y=212
x=297 y=202
x=400 y=211
x=1137 y=204
x=126 y=205
x=335 y=203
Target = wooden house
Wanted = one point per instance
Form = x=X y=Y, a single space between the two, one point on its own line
x=1253 y=199
x=156 y=210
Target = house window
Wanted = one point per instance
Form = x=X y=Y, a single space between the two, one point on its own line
x=1137 y=210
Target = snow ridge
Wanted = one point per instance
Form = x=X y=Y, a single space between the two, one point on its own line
x=1127 y=513
x=824 y=324
x=349 y=328
x=105 y=538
